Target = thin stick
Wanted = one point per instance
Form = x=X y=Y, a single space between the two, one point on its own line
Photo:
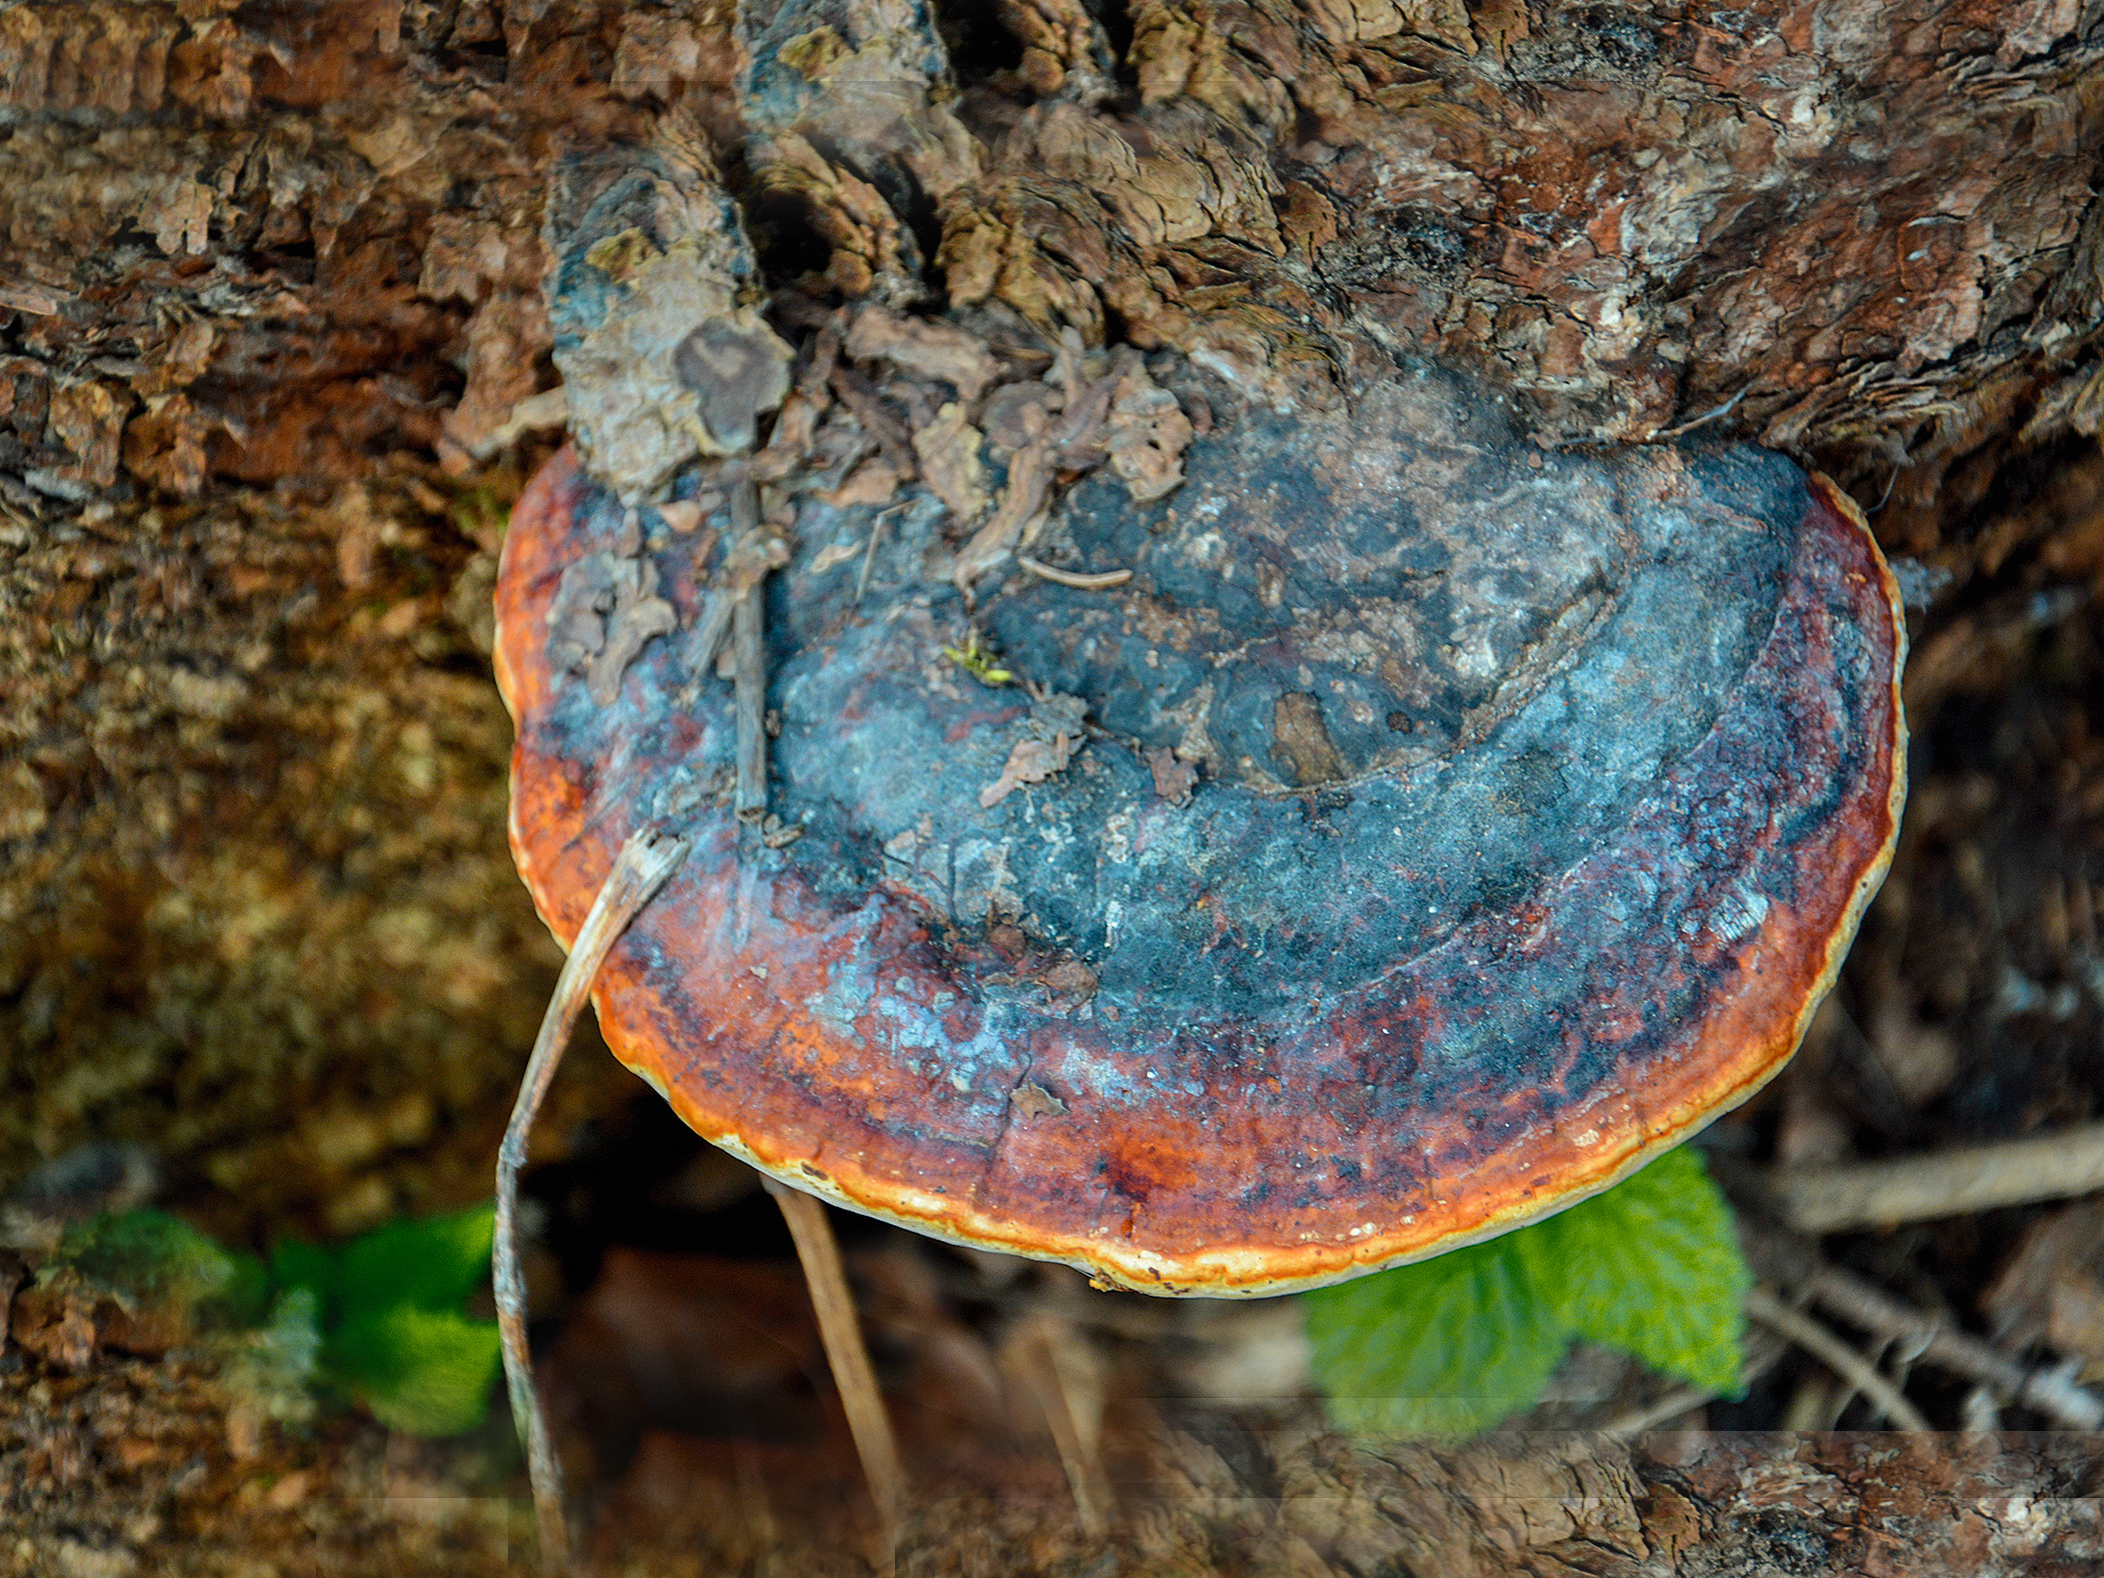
x=1707 y=417
x=1649 y=1416
x=845 y=1352
x=1100 y=581
x=1836 y=1355
x=1946 y=1183
x=642 y=866
x=1860 y=1303
x=869 y=554
x=749 y=654
x=710 y=629
x=1038 y=1352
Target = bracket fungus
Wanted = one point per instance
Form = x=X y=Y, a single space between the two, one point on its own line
x=1428 y=832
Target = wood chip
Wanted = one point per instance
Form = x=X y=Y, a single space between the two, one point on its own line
x=1034 y=1101
x=873 y=482
x=948 y=450
x=1031 y=762
x=1174 y=778
x=923 y=348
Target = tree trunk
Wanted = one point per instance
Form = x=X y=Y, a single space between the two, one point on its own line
x=271 y=305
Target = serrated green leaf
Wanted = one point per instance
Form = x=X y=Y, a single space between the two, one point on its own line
x=432 y=1264
x=427 y=1372
x=1653 y=1267
x=1449 y=1345
x=1455 y=1343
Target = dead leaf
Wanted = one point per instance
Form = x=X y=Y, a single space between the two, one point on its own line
x=873 y=482
x=1031 y=762
x=605 y=610
x=2052 y=1288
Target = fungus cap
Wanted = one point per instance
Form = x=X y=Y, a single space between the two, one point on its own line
x=1430 y=832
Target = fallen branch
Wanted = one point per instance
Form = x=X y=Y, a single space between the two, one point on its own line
x=1946 y=1183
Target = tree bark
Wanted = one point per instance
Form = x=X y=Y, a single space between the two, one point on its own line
x=272 y=325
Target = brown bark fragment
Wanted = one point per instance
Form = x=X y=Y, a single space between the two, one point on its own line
x=928 y=350
x=948 y=449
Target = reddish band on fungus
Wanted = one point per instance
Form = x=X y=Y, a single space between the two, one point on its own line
x=1541 y=798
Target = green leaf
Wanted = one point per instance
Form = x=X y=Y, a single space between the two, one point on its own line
x=427 y=1372
x=1455 y=1343
x=308 y=1266
x=1653 y=1267
x=1452 y=1344
x=432 y=1264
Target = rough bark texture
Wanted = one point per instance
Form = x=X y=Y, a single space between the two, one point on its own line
x=270 y=295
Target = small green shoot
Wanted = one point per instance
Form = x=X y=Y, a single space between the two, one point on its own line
x=978 y=660
x=1453 y=1344
x=379 y=1319
x=395 y=1337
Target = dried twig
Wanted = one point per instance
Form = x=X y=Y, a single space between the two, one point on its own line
x=1863 y=1304
x=845 y=1351
x=640 y=869
x=1836 y=1355
x=1100 y=581
x=1042 y=1348
x=1649 y=1416
x=1946 y=1183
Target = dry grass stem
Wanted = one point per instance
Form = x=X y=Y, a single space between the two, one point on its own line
x=841 y=1332
x=1100 y=581
x=1836 y=1355
x=1054 y=1367
x=640 y=869
x=749 y=655
x=1860 y=1303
